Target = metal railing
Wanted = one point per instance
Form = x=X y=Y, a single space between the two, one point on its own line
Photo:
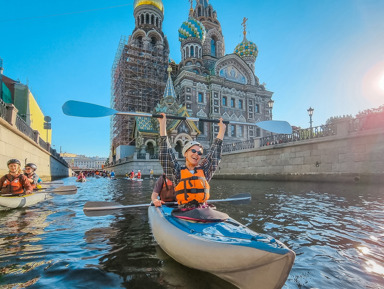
x=244 y=145
x=3 y=109
x=24 y=127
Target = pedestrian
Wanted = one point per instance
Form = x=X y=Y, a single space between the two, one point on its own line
x=15 y=183
x=191 y=180
x=164 y=189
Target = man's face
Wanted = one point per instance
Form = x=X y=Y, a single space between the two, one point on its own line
x=13 y=168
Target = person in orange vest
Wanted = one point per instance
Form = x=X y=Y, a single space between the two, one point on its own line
x=15 y=183
x=139 y=174
x=164 y=189
x=132 y=174
x=30 y=173
x=191 y=180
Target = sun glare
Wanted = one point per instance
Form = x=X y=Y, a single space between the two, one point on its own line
x=381 y=83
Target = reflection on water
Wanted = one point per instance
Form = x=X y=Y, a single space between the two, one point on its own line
x=336 y=231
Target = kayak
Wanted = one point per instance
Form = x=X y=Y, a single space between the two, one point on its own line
x=81 y=180
x=8 y=203
x=223 y=247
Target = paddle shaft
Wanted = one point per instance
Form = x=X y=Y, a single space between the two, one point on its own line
x=101 y=206
x=85 y=109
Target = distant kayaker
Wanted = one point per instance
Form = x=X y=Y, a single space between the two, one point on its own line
x=81 y=176
x=151 y=174
x=191 y=180
x=132 y=174
x=112 y=174
x=139 y=174
x=30 y=173
x=165 y=189
x=15 y=183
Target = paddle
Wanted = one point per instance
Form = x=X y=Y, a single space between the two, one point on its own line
x=85 y=109
x=96 y=209
x=63 y=190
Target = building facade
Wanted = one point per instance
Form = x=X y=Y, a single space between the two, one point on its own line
x=77 y=162
x=208 y=83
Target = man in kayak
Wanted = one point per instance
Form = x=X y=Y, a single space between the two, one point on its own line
x=15 y=183
x=30 y=173
x=139 y=175
x=165 y=189
x=191 y=180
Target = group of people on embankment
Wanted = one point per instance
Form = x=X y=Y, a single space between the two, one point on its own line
x=17 y=182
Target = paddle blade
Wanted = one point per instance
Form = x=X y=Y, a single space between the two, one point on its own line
x=85 y=109
x=237 y=199
x=97 y=209
x=275 y=126
x=64 y=190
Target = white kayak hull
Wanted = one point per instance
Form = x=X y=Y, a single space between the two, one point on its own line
x=243 y=266
x=8 y=203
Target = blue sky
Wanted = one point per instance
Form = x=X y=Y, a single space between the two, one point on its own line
x=327 y=54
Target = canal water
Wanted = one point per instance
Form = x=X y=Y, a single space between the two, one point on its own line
x=336 y=230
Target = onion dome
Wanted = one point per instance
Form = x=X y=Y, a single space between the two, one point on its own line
x=192 y=28
x=246 y=48
x=156 y=3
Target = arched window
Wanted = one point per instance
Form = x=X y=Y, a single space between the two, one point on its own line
x=187 y=51
x=142 y=19
x=185 y=54
x=153 y=41
x=147 y=18
x=153 y=20
x=209 y=12
x=138 y=20
x=213 y=47
x=140 y=41
x=199 y=12
x=157 y=22
x=192 y=51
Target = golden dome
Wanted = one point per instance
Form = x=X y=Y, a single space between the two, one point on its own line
x=156 y=3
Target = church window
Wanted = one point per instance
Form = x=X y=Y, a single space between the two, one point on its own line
x=157 y=22
x=232 y=102
x=192 y=51
x=213 y=47
x=188 y=97
x=216 y=95
x=187 y=51
x=200 y=97
x=188 y=89
x=224 y=101
x=199 y=12
x=153 y=41
x=138 y=20
x=209 y=12
x=201 y=127
x=233 y=130
x=216 y=102
x=147 y=18
x=140 y=41
x=240 y=104
x=153 y=19
x=240 y=131
x=142 y=19
x=257 y=108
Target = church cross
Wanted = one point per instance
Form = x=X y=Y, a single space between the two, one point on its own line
x=244 y=24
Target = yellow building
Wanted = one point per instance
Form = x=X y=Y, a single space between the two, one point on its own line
x=29 y=110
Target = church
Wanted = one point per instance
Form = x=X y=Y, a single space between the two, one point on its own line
x=207 y=83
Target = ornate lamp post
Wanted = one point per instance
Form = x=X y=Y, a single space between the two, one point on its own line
x=270 y=106
x=310 y=112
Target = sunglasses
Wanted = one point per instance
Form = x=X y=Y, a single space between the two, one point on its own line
x=195 y=151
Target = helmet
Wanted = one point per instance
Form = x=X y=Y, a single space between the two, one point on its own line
x=190 y=144
x=13 y=161
x=31 y=165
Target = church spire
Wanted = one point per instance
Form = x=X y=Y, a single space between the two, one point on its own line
x=244 y=24
x=169 y=88
x=191 y=9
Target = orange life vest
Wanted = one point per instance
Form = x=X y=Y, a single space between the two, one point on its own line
x=192 y=187
x=14 y=187
x=167 y=194
x=139 y=175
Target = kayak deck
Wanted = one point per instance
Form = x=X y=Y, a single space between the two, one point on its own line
x=226 y=249
x=13 y=202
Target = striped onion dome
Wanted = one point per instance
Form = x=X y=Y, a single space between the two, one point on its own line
x=246 y=48
x=156 y=3
x=192 y=28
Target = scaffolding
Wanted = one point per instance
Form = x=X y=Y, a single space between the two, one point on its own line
x=139 y=77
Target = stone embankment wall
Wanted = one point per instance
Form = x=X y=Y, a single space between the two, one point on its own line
x=345 y=157
x=132 y=163
x=15 y=144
